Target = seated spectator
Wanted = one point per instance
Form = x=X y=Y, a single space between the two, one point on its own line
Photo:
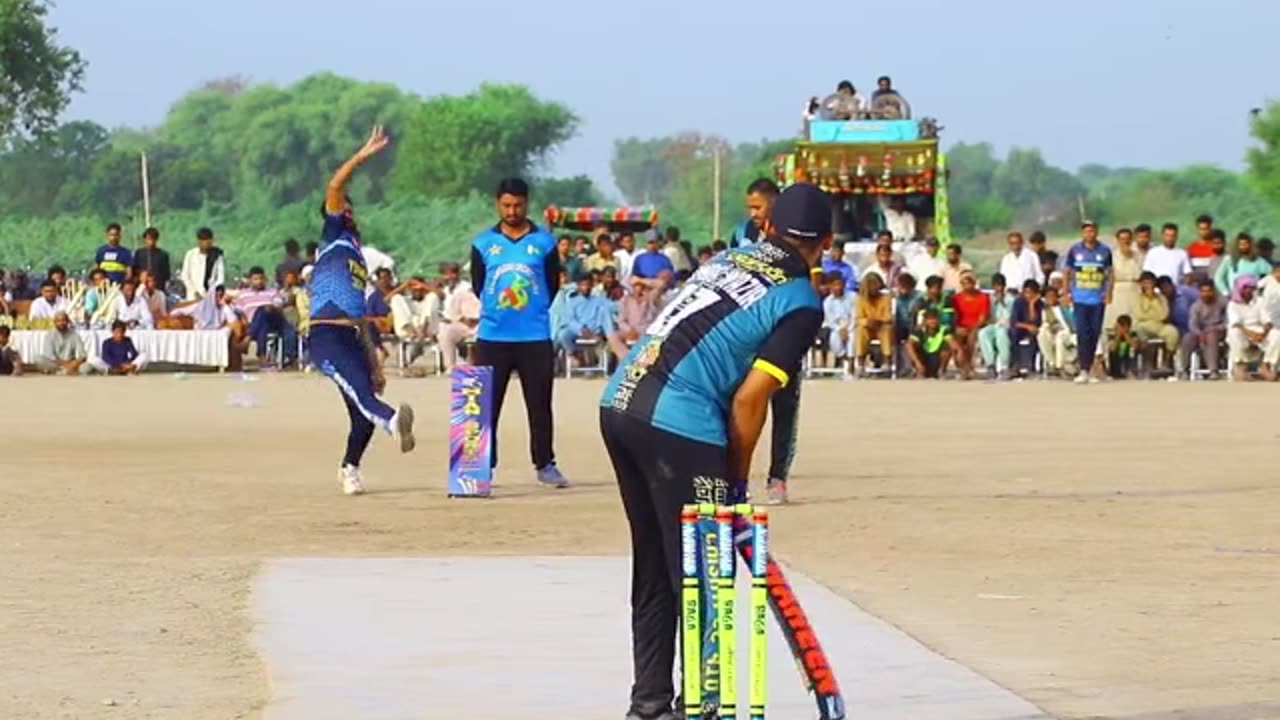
x=1151 y=319
x=873 y=319
x=292 y=262
x=885 y=265
x=43 y=309
x=898 y=220
x=1048 y=266
x=650 y=263
x=263 y=311
x=1058 y=281
x=153 y=295
x=938 y=299
x=98 y=298
x=1120 y=349
x=834 y=263
x=1269 y=287
x=119 y=356
x=17 y=287
x=10 y=361
x=638 y=309
x=837 y=320
x=58 y=275
x=1250 y=328
x=973 y=310
x=588 y=317
x=904 y=319
x=462 y=317
x=1027 y=316
x=604 y=256
x=608 y=286
x=993 y=339
x=1206 y=329
x=129 y=308
x=570 y=261
x=1180 y=299
x=927 y=261
x=1057 y=336
x=954 y=268
x=64 y=352
x=929 y=346
x=214 y=312
x=413 y=312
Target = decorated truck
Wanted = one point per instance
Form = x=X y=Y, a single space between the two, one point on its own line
x=866 y=159
x=636 y=219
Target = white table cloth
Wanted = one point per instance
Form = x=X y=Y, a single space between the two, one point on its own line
x=179 y=347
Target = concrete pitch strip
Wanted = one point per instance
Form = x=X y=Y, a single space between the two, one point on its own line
x=547 y=638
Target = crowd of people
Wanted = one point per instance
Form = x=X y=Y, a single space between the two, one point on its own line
x=1136 y=306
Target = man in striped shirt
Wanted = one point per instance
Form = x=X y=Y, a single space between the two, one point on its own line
x=263 y=311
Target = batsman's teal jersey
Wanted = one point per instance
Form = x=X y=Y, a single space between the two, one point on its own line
x=751 y=307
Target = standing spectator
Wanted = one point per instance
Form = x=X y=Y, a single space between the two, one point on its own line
x=263 y=311
x=874 y=320
x=993 y=339
x=64 y=352
x=570 y=261
x=1057 y=334
x=119 y=356
x=1020 y=264
x=1039 y=244
x=49 y=304
x=676 y=253
x=1266 y=249
x=516 y=273
x=1126 y=269
x=885 y=266
x=1244 y=261
x=462 y=315
x=1218 y=239
x=1049 y=266
x=973 y=310
x=837 y=318
x=1249 y=327
x=1089 y=277
x=130 y=309
x=150 y=258
x=1151 y=319
x=834 y=263
x=1142 y=242
x=954 y=268
x=649 y=264
x=1201 y=252
x=203 y=267
x=604 y=256
x=292 y=262
x=1206 y=329
x=112 y=259
x=626 y=252
x=926 y=264
x=1167 y=258
x=10 y=361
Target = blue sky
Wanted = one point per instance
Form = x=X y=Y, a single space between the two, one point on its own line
x=1155 y=83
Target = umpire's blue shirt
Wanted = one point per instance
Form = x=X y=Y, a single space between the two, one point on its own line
x=751 y=307
x=516 y=279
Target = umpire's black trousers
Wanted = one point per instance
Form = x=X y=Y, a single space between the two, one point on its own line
x=658 y=473
x=535 y=362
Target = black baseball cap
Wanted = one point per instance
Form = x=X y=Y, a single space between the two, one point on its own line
x=802 y=212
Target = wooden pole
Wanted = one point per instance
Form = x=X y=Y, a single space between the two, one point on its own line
x=715 y=194
x=146 y=192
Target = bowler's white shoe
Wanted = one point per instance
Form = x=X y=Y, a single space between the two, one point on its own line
x=352 y=483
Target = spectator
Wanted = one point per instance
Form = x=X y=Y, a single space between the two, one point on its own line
x=1151 y=319
x=993 y=338
x=1089 y=275
x=929 y=347
x=1120 y=349
x=1270 y=289
x=203 y=267
x=1167 y=258
x=153 y=295
x=130 y=309
x=904 y=304
x=1180 y=299
x=1027 y=317
x=885 y=266
x=99 y=299
x=638 y=309
x=650 y=263
x=17 y=287
x=676 y=253
x=570 y=261
x=1244 y=261
x=1266 y=249
x=588 y=317
x=64 y=352
x=50 y=303
x=1020 y=264
x=1039 y=244
x=1126 y=269
x=263 y=311
x=1218 y=239
x=1057 y=336
x=884 y=86
x=150 y=258
x=119 y=356
x=293 y=294
x=898 y=220
x=626 y=253
x=604 y=256
x=837 y=319
x=309 y=254
x=1048 y=266
x=938 y=299
x=1206 y=329
x=973 y=310
x=112 y=259
x=874 y=321
x=954 y=268
x=928 y=263
x=1201 y=251
x=292 y=262
x=10 y=361
x=58 y=275
x=834 y=263
x=214 y=312
x=462 y=317
x=413 y=313
x=1142 y=242
x=1249 y=327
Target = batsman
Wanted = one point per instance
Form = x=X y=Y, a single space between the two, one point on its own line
x=683 y=413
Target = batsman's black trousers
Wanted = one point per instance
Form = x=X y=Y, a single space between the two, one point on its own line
x=784 y=405
x=658 y=473
x=536 y=364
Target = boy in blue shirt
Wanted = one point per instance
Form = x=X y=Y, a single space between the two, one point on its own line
x=1088 y=266
x=114 y=260
x=515 y=271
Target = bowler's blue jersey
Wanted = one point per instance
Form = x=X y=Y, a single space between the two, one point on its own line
x=746 y=307
x=339 y=275
x=516 y=279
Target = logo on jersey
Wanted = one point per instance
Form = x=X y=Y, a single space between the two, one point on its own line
x=495 y=249
x=515 y=296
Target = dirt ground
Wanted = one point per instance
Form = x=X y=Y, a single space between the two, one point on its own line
x=1106 y=551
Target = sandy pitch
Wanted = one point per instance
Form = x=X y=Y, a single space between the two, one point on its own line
x=1108 y=551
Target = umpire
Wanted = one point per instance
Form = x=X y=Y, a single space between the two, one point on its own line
x=682 y=414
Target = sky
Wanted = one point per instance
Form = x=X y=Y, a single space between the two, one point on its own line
x=1153 y=83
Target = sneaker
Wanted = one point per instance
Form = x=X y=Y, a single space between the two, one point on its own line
x=402 y=421
x=1082 y=378
x=776 y=491
x=1094 y=380
x=551 y=475
x=352 y=484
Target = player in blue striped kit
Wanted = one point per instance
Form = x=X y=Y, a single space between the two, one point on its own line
x=339 y=338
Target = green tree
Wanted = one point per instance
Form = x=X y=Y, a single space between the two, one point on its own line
x=454 y=146
x=641 y=170
x=1264 y=158
x=37 y=75
x=576 y=191
x=34 y=172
